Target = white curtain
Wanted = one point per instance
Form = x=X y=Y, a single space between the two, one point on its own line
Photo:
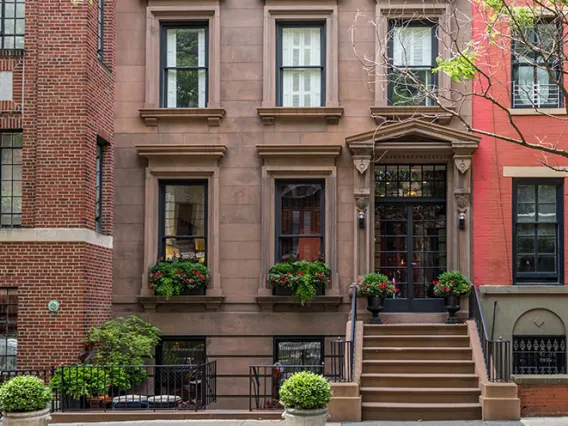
x=202 y=80
x=301 y=47
x=172 y=62
x=412 y=46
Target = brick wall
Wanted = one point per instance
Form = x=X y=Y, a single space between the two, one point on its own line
x=543 y=400
x=68 y=103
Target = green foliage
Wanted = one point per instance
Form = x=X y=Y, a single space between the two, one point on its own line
x=374 y=284
x=123 y=341
x=80 y=381
x=460 y=67
x=23 y=394
x=305 y=391
x=452 y=282
x=302 y=277
x=171 y=277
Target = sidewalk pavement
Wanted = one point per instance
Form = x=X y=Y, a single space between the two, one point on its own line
x=548 y=421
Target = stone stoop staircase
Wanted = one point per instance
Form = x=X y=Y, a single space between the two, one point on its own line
x=418 y=372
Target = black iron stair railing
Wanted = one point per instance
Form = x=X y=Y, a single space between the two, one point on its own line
x=496 y=353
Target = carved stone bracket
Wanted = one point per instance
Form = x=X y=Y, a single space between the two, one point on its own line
x=361 y=164
x=362 y=198
x=462 y=162
x=362 y=152
x=462 y=202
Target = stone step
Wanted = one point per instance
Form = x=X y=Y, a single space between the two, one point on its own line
x=415 y=412
x=414 y=329
x=416 y=341
x=384 y=380
x=416 y=353
x=419 y=366
x=422 y=395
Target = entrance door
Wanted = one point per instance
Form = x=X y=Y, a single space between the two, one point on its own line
x=410 y=233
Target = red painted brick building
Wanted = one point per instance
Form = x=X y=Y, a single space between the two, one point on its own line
x=519 y=216
x=56 y=124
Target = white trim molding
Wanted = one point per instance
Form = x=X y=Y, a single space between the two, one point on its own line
x=533 y=172
x=55 y=235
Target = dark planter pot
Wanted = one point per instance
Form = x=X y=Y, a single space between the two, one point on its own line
x=375 y=305
x=70 y=403
x=452 y=306
x=194 y=291
x=283 y=291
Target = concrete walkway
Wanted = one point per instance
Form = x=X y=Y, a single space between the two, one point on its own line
x=549 y=421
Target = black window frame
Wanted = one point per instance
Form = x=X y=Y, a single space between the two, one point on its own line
x=15 y=19
x=303 y=339
x=99 y=164
x=393 y=23
x=558 y=355
x=160 y=346
x=515 y=64
x=539 y=278
x=4 y=357
x=278 y=214
x=280 y=25
x=21 y=196
x=164 y=58
x=100 y=29
x=162 y=183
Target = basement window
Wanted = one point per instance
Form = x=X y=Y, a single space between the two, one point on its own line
x=539 y=355
x=8 y=328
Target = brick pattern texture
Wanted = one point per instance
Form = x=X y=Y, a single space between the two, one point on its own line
x=543 y=400
x=68 y=104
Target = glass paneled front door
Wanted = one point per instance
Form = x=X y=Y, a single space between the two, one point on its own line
x=410 y=233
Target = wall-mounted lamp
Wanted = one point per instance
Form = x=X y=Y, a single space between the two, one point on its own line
x=461 y=218
x=361 y=220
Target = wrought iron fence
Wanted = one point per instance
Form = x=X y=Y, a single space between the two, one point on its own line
x=265 y=380
x=496 y=353
x=148 y=387
x=539 y=354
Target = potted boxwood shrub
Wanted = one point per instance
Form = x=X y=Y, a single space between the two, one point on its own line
x=303 y=279
x=305 y=396
x=178 y=276
x=75 y=384
x=24 y=401
x=451 y=286
x=376 y=287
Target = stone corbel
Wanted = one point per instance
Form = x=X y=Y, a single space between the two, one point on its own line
x=462 y=202
x=362 y=152
x=362 y=197
x=462 y=163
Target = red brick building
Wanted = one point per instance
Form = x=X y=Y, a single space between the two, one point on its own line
x=56 y=124
x=519 y=216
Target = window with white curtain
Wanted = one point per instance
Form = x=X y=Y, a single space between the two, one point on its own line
x=184 y=60
x=301 y=65
x=412 y=53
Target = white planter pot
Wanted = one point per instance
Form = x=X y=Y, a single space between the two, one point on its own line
x=32 y=418
x=305 y=417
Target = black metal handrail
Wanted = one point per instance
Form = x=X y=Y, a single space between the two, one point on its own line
x=353 y=326
x=496 y=353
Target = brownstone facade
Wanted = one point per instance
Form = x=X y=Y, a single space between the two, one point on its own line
x=242 y=144
x=62 y=104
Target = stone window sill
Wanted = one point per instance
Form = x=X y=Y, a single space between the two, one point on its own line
x=152 y=115
x=329 y=303
x=538 y=111
x=538 y=379
x=211 y=303
x=331 y=114
x=524 y=289
x=424 y=113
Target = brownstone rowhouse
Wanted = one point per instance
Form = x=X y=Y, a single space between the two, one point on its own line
x=225 y=152
x=56 y=124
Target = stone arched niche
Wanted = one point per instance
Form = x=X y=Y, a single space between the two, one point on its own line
x=539 y=322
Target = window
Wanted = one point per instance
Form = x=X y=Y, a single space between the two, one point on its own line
x=13 y=24
x=100 y=28
x=412 y=51
x=11 y=180
x=183 y=220
x=300 y=65
x=99 y=188
x=535 y=75
x=538 y=230
x=539 y=355
x=185 y=70
x=300 y=225
x=299 y=351
x=181 y=350
x=8 y=328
